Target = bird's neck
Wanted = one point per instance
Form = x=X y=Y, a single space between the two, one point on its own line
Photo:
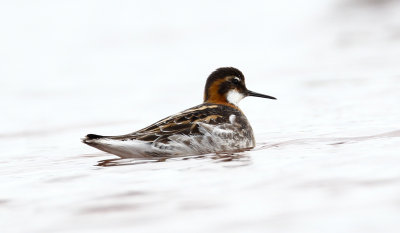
x=220 y=100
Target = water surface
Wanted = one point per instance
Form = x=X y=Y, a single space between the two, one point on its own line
x=327 y=155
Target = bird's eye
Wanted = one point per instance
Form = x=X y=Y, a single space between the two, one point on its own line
x=236 y=80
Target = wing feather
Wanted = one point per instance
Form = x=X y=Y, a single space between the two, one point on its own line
x=185 y=123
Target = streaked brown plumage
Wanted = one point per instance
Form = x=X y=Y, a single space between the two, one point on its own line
x=216 y=125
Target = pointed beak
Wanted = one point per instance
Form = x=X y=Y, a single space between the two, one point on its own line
x=255 y=94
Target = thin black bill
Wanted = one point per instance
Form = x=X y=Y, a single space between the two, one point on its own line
x=255 y=94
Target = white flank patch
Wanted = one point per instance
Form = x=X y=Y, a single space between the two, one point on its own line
x=232 y=119
x=234 y=97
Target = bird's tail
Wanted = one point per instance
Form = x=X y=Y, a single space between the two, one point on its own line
x=90 y=138
x=122 y=148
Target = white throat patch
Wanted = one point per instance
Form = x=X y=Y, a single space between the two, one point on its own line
x=234 y=97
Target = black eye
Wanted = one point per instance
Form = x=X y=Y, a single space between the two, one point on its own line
x=236 y=81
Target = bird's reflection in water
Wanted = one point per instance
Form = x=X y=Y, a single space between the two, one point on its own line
x=235 y=159
x=125 y=162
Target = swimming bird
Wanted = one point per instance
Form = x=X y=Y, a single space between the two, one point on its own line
x=216 y=125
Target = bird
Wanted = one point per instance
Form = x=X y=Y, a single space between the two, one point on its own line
x=217 y=125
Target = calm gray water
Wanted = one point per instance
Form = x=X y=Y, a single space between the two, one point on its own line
x=328 y=151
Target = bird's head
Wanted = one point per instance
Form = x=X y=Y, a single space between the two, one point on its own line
x=226 y=86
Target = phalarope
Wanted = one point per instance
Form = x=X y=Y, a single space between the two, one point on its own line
x=216 y=125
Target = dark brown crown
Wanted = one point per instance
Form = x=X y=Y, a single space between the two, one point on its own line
x=221 y=73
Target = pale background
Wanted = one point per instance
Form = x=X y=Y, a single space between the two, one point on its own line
x=328 y=151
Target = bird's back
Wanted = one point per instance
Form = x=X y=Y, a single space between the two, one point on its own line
x=201 y=129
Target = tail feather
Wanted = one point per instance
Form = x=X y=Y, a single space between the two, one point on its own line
x=93 y=136
x=90 y=138
x=122 y=148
